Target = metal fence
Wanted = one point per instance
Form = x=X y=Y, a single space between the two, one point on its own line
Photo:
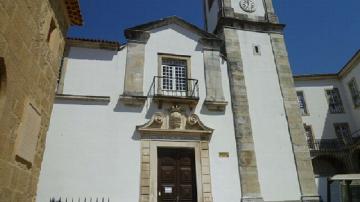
x=81 y=199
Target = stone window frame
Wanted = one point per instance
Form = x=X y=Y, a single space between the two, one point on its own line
x=341 y=137
x=3 y=84
x=187 y=58
x=306 y=110
x=149 y=168
x=354 y=95
x=342 y=111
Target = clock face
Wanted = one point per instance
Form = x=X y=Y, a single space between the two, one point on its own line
x=248 y=5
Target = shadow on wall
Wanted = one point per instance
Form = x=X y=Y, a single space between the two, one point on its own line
x=80 y=102
x=3 y=79
x=204 y=110
x=92 y=54
x=120 y=107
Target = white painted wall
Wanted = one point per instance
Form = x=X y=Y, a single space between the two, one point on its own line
x=87 y=69
x=93 y=150
x=321 y=121
x=274 y=154
x=260 y=8
x=355 y=112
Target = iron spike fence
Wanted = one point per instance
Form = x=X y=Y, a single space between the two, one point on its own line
x=80 y=199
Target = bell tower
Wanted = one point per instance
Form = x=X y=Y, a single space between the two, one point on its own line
x=274 y=160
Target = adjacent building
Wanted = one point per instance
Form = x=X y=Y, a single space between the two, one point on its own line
x=32 y=40
x=181 y=114
x=330 y=108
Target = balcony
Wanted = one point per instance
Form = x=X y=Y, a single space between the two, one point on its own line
x=334 y=145
x=174 y=90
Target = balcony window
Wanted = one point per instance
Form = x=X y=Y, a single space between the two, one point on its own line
x=302 y=103
x=355 y=93
x=343 y=133
x=174 y=74
x=173 y=83
x=334 y=100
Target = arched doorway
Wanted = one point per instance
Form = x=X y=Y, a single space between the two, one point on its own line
x=2 y=84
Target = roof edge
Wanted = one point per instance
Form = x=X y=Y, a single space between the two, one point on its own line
x=171 y=20
x=93 y=43
x=339 y=75
x=74 y=12
x=308 y=77
x=349 y=65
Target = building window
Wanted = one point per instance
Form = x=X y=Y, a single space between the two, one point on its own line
x=302 y=103
x=334 y=100
x=355 y=93
x=256 y=50
x=174 y=76
x=309 y=136
x=343 y=133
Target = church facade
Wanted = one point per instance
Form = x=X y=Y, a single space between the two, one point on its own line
x=182 y=114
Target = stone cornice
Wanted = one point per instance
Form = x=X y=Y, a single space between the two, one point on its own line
x=257 y=26
x=87 y=98
x=211 y=43
x=131 y=33
x=312 y=77
x=139 y=36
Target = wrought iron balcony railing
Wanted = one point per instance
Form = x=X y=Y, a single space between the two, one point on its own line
x=326 y=145
x=334 y=144
x=174 y=87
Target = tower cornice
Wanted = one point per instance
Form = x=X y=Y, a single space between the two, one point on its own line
x=249 y=25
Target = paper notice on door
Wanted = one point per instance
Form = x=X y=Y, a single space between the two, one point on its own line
x=168 y=190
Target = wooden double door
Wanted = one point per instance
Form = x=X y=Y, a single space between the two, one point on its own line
x=176 y=175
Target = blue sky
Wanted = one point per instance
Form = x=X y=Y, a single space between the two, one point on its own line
x=321 y=35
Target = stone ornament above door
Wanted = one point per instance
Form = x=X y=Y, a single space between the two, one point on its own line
x=175 y=123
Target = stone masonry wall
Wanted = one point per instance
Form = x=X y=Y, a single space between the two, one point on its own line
x=250 y=186
x=31 y=59
x=297 y=134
